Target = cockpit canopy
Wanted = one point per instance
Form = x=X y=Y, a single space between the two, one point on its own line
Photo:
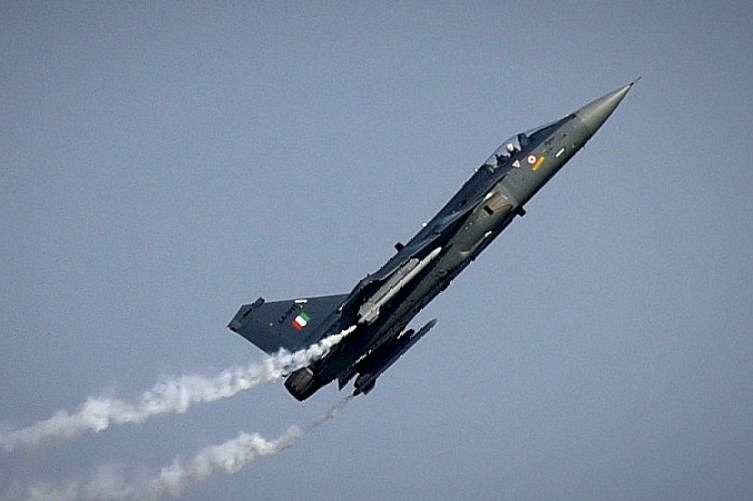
x=507 y=150
x=519 y=141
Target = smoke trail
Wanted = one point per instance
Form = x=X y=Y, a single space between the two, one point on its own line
x=110 y=482
x=231 y=456
x=173 y=394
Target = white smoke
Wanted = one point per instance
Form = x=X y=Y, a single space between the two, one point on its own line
x=110 y=482
x=231 y=456
x=173 y=394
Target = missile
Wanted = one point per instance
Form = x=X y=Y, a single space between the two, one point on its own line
x=369 y=310
x=383 y=357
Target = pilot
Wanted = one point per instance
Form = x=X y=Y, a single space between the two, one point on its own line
x=510 y=149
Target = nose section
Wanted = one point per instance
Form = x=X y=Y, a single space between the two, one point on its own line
x=597 y=111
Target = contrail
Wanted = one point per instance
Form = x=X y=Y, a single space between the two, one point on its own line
x=229 y=457
x=173 y=394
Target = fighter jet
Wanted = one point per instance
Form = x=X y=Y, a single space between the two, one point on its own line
x=374 y=315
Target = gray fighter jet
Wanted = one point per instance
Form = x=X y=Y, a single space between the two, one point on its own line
x=372 y=318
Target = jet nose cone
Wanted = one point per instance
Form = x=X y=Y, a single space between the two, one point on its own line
x=597 y=111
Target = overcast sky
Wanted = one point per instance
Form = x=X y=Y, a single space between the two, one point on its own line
x=161 y=165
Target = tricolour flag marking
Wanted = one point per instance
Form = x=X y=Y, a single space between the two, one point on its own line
x=301 y=321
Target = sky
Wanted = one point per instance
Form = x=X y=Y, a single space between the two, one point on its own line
x=160 y=165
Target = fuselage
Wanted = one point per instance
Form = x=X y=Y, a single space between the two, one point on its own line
x=382 y=304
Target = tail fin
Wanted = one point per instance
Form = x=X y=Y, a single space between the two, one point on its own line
x=292 y=324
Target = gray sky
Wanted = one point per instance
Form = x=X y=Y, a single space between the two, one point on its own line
x=162 y=165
